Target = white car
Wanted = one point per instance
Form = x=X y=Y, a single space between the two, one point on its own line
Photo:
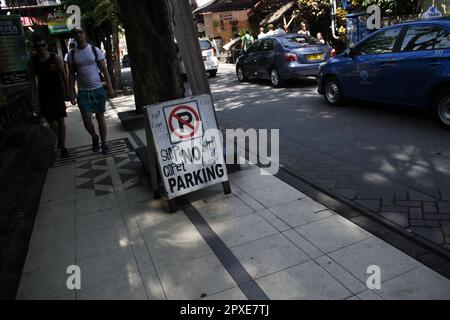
x=210 y=59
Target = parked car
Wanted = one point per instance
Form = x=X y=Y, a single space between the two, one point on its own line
x=126 y=61
x=209 y=53
x=282 y=57
x=406 y=64
x=232 y=50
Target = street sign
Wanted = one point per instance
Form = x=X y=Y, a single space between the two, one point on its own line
x=188 y=146
x=184 y=122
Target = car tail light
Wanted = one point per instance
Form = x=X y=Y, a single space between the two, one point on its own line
x=290 y=57
x=333 y=53
x=214 y=51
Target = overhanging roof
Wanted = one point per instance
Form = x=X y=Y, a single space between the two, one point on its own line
x=226 y=5
x=274 y=17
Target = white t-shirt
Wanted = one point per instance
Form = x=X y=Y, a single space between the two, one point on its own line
x=262 y=35
x=86 y=67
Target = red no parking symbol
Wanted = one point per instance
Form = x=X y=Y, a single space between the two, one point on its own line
x=184 y=123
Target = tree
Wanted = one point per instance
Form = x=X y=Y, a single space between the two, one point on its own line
x=194 y=4
x=151 y=47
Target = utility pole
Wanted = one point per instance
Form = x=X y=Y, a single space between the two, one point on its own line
x=187 y=39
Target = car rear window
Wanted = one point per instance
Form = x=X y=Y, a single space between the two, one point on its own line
x=299 y=41
x=205 y=45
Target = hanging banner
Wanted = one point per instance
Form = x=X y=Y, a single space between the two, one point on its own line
x=13 y=52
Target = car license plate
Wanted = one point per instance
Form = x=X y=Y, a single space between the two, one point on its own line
x=314 y=57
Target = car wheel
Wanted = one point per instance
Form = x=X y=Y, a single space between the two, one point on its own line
x=333 y=92
x=240 y=74
x=442 y=109
x=275 y=78
x=212 y=74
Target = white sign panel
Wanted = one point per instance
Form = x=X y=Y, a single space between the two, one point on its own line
x=188 y=144
x=431 y=13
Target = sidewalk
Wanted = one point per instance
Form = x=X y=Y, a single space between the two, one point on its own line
x=265 y=240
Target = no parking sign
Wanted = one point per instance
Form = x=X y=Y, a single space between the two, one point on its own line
x=184 y=122
x=187 y=143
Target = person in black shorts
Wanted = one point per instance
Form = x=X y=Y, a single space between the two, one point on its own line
x=50 y=85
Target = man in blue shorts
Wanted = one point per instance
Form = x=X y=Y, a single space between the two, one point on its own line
x=85 y=62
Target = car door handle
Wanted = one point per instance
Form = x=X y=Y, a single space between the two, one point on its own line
x=386 y=64
x=435 y=64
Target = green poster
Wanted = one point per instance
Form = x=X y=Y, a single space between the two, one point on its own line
x=13 y=52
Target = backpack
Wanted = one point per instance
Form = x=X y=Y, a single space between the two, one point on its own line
x=94 y=51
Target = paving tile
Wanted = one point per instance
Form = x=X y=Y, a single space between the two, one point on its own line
x=213 y=193
x=301 y=212
x=418 y=284
x=131 y=288
x=150 y=214
x=192 y=279
x=143 y=258
x=153 y=286
x=228 y=295
x=223 y=209
x=96 y=204
x=243 y=229
x=96 y=242
x=304 y=245
x=67 y=297
x=108 y=268
x=373 y=251
x=307 y=281
x=49 y=253
x=168 y=248
x=432 y=234
x=340 y=274
x=139 y=194
x=269 y=255
x=48 y=282
x=57 y=214
x=369 y=295
x=273 y=220
x=55 y=193
x=271 y=197
x=47 y=232
x=252 y=203
x=257 y=181
x=332 y=233
x=99 y=220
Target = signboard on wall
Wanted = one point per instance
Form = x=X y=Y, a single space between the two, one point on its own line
x=6 y=4
x=14 y=61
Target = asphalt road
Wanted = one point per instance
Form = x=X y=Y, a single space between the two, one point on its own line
x=391 y=161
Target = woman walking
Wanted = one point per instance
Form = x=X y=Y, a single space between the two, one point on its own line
x=49 y=86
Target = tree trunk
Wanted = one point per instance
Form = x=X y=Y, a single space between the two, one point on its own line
x=117 y=69
x=153 y=59
x=109 y=56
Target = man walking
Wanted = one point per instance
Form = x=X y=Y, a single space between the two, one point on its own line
x=247 y=40
x=84 y=64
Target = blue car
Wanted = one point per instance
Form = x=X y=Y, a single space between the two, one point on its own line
x=282 y=57
x=406 y=64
